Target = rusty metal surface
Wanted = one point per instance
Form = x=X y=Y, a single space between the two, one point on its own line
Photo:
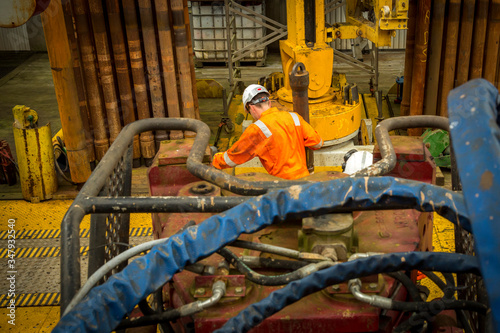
x=450 y=54
x=413 y=159
x=168 y=62
x=479 y=39
x=321 y=311
x=183 y=64
x=420 y=61
x=389 y=159
x=152 y=64
x=465 y=41
x=177 y=152
x=138 y=76
x=409 y=54
x=15 y=13
x=492 y=52
x=107 y=80
x=121 y=68
x=84 y=111
x=94 y=97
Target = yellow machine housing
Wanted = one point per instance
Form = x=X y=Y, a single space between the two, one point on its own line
x=335 y=118
x=35 y=155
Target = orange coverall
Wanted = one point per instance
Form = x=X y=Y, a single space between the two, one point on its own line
x=278 y=138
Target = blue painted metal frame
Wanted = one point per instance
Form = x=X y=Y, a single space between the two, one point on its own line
x=473 y=110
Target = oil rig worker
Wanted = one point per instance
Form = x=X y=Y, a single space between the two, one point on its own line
x=277 y=137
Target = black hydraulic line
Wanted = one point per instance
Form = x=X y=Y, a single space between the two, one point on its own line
x=294 y=291
x=437 y=281
x=388 y=161
x=146 y=308
x=166 y=204
x=265 y=280
x=153 y=319
x=278 y=263
x=446 y=305
x=448 y=289
x=408 y=284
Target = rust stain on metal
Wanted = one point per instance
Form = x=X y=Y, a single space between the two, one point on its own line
x=295 y=191
x=486 y=180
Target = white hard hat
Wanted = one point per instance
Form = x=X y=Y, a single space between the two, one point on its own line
x=251 y=91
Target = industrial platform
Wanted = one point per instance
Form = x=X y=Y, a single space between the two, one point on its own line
x=37 y=225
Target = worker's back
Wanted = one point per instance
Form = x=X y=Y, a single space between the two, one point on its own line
x=284 y=136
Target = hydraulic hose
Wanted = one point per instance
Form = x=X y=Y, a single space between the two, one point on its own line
x=106 y=306
x=275 y=280
x=108 y=266
x=218 y=290
x=261 y=262
x=408 y=284
x=448 y=289
x=282 y=251
x=388 y=161
x=389 y=304
x=294 y=291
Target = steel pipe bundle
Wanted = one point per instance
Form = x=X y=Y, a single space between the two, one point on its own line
x=132 y=59
x=449 y=43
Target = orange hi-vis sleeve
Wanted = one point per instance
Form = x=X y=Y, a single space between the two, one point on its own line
x=278 y=138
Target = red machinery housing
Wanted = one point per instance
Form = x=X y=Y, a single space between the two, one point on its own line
x=335 y=236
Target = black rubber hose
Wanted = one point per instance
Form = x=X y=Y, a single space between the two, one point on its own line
x=444 y=304
x=265 y=280
x=282 y=264
x=408 y=284
x=448 y=290
x=150 y=319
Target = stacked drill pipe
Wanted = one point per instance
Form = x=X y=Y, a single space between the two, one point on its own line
x=84 y=112
x=420 y=61
x=454 y=41
x=105 y=68
x=132 y=59
x=409 y=53
x=91 y=79
x=122 y=70
x=140 y=85
x=183 y=63
x=152 y=65
x=167 y=59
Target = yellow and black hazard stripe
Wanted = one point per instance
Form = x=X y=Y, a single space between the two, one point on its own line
x=36 y=299
x=37 y=252
x=56 y=233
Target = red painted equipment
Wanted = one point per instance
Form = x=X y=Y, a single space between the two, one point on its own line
x=333 y=236
x=8 y=170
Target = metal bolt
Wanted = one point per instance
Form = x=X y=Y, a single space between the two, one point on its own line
x=200 y=291
x=335 y=287
x=238 y=290
x=372 y=286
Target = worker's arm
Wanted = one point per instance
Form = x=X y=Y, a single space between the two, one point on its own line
x=243 y=150
x=311 y=137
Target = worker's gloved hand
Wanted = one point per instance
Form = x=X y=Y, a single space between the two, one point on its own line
x=217 y=160
x=213 y=150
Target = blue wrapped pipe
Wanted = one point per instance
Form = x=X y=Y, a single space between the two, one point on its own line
x=474 y=112
x=106 y=305
x=294 y=291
